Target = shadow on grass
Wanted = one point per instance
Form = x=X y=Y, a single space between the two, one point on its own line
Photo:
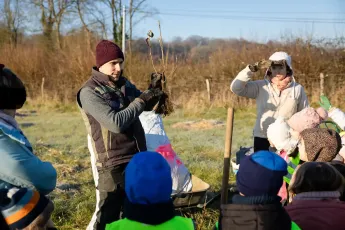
x=206 y=217
x=27 y=124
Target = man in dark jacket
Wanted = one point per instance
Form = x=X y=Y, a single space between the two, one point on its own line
x=257 y=206
x=110 y=106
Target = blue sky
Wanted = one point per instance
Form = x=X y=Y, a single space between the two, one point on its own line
x=244 y=18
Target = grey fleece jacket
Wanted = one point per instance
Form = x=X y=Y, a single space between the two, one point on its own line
x=115 y=122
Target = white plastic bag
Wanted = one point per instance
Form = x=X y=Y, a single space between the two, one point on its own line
x=158 y=141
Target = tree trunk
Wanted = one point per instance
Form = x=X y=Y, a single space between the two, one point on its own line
x=11 y=17
x=58 y=36
x=62 y=7
x=130 y=27
x=47 y=23
x=14 y=37
x=86 y=29
x=113 y=15
x=120 y=32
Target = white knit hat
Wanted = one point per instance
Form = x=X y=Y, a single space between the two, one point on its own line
x=278 y=133
x=278 y=56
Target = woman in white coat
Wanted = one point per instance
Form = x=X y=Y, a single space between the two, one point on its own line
x=277 y=95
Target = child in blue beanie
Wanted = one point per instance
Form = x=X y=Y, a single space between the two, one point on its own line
x=257 y=206
x=148 y=186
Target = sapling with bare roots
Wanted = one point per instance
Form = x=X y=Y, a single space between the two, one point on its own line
x=158 y=79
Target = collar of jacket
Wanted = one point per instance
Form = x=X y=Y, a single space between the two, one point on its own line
x=274 y=90
x=8 y=119
x=9 y=127
x=320 y=195
x=152 y=214
x=259 y=212
x=252 y=200
x=105 y=79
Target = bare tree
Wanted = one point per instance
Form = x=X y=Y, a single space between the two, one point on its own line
x=116 y=18
x=13 y=18
x=52 y=13
x=137 y=7
x=80 y=4
x=62 y=8
x=47 y=20
x=100 y=18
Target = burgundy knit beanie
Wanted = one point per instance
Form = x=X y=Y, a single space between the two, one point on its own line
x=107 y=51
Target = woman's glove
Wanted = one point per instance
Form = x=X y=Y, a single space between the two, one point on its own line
x=263 y=64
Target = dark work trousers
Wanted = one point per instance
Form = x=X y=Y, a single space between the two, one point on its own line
x=261 y=144
x=110 y=197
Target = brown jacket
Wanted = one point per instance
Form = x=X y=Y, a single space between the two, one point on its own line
x=246 y=216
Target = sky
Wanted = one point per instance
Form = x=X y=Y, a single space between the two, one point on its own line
x=259 y=20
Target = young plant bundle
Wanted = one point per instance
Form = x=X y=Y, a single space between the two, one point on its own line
x=159 y=79
x=164 y=106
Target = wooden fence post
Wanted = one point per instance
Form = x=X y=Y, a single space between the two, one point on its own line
x=42 y=89
x=208 y=90
x=322 y=77
x=227 y=155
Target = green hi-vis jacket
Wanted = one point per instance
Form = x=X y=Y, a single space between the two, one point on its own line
x=175 y=223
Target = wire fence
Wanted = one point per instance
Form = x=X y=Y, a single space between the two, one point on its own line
x=209 y=90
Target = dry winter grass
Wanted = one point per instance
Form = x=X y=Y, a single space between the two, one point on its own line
x=58 y=136
x=57 y=75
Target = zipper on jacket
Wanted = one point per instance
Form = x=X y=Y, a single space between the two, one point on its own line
x=136 y=142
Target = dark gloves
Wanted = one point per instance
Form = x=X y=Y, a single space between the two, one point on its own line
x=263 y=64
x=151 y=98
x=151 y=94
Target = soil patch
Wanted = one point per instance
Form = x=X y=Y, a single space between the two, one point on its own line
x=203 y=124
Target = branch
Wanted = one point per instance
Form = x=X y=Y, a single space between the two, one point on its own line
x=39 y=3
x=146 y=14
x=81 y=16
x=138 y=6
x=116 y=11
x=101 y=21
x=150 y=52
x=161 y=45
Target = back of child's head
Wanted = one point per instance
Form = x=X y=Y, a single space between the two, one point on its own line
x=261 y=174
x=342 y=150
x=317 y=177
x=148 y=179
x=340 y=166
x=12 y=90
x=278 y=133
x=320 y=145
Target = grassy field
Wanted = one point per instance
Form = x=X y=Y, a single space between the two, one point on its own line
x=60 y=137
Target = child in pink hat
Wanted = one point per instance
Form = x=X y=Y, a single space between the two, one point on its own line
x=306 y=119
x=285 y=135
